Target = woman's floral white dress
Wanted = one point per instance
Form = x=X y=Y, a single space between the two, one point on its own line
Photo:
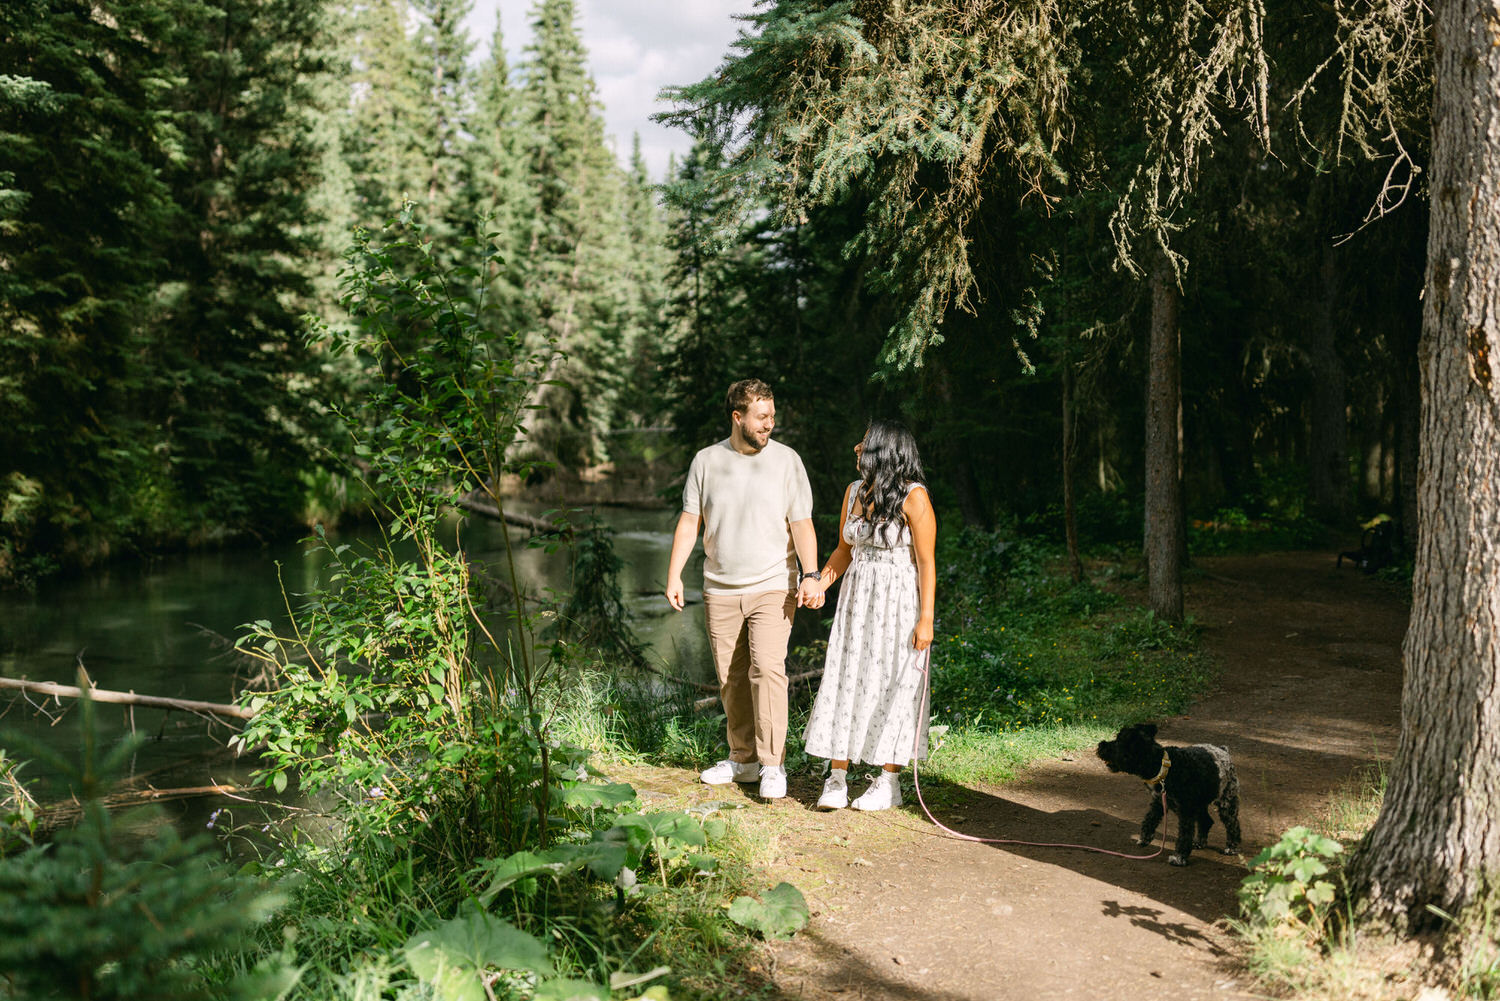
x=871 y=693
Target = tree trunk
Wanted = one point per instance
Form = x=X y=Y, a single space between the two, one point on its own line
x=1164 y=515
x=1437 y=839
x=1408 y=436
x=1070 y=504
x=1328 y=438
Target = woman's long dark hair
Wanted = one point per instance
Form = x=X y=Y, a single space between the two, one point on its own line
x=887 y=464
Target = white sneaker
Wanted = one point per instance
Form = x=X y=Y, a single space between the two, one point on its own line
x=884 y=792
x=772 y=782
x=835 y=790
x=726 y=772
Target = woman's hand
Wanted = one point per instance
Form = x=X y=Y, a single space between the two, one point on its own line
x=810 y=594
x=921 y=637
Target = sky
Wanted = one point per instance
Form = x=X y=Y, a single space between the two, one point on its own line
x=636 y=47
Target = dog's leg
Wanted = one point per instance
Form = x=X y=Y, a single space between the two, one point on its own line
x=1152 y=818
x=1229 y=815
x=1204 y=823
x=1185 y=825
x=1229 y=812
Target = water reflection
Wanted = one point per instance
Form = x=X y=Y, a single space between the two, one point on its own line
x=166 y=627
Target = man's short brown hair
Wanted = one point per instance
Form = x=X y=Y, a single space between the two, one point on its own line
x=744 y=393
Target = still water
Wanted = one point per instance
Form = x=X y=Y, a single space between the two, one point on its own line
x=166 y=628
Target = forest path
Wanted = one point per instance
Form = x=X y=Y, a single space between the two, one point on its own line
x=1309 y=691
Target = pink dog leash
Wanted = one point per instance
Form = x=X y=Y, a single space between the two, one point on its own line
x=926 y=664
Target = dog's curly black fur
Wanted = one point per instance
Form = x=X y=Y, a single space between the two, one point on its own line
x=1199 y=776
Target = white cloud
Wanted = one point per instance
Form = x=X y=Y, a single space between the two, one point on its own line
x=636 y=47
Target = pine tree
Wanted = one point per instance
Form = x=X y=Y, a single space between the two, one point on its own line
x=443 y=49
x=387 y=150
x=648 y=262
x=231 y=332
x=575 y=187
x=84 y=136
x=498 y=179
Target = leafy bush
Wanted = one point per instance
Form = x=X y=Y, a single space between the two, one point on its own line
x=1286 y=884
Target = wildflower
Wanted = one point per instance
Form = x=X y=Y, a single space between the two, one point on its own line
x=213 y=818
x=376 y=792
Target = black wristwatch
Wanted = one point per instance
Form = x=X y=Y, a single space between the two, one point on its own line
x=815 y=574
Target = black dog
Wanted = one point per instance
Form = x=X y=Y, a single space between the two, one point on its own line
x=1192 y=778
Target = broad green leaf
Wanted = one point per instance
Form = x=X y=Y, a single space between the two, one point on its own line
x=677 y=827
x=603 y=859
x=570 y=990
x=589 y=796
x=780 y=912
x=452 y=955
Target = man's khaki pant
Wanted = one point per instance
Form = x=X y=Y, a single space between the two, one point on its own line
x=748 y=634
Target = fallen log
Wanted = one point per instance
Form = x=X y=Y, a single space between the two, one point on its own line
x=712 y=700
x=67 y=813
x=126 y=698
x=479 y=505
x=475 y=501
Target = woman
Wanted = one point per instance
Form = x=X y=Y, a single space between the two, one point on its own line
x=874 y=677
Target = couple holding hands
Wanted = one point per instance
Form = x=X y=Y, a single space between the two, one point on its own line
x=751 y=498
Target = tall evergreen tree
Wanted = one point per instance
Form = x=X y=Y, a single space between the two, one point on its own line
x=388 y=150
x=443 y=49
x=498 y=179
x=85 y=134
x=576 y=187
x=229 y=328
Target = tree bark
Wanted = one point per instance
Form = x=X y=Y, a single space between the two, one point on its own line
x=1164 y=541
x=1408 y=435
x=1328 y=436
x=1437 y=839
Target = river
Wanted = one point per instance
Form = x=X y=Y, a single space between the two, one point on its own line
x=164 y=627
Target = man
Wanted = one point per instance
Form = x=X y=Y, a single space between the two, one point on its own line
x=752 y=498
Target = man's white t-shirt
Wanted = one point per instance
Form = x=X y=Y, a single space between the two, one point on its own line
x=748 y=503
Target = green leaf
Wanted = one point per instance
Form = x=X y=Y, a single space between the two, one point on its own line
x=278 y=782
x=452 y=956
x=603 y=859
x=590 y=796
x=570 y=990
x=780 y=913
x=678 y=827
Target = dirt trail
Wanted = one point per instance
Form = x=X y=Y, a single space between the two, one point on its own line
x=1310 y=690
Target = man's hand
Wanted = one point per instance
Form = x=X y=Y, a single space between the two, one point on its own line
x=810 y=594
x=674 y=592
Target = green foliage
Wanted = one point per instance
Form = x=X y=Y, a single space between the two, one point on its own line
x=420 y=713
x=1478 y=973
x=388 y=687
x=99 y=913
x=1286 y=884
x=1018 y=646
x=780 y=912
x=453 y=957
x=17 y=807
